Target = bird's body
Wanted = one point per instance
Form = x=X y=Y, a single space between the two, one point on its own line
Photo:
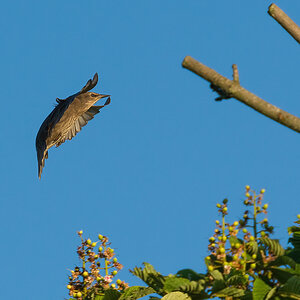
x=67 y=119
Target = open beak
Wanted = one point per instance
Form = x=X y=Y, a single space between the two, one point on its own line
x=104 y=96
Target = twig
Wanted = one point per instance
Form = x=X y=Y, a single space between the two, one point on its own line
x=233 y=89
x=235 y=75
x=285 y=21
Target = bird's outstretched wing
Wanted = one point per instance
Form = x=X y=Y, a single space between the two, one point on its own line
x=90 y=84
x=82 y=121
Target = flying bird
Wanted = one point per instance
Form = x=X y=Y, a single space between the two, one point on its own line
x=67 y=119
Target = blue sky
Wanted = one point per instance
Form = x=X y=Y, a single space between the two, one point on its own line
x=150 y=168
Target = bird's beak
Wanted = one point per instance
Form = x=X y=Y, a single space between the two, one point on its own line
x=104 y=96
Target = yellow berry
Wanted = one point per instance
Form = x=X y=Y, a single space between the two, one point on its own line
x=88 y=241
x=208 y=258
x=69 y=287
x=115 y=272
x=262 y=233
x=100 y=237
x=111 y=250
x=236 y=223
x=237 y=245
x=224 y=238
x=265 y=206
x=225 y=209
x=254 y=256
x=245 y=230
x=247 y=187
x=98 y=278
x=115 y=259
x=100 y=249
x=119 y=281
x=252 y=238
x=80 y=232
x=247 y=195
x=210 y=268
x=85 y=274
x=217 y=222
x=79 y=295
x=219 y=205
x=213 y=245
x=235 y=257
x=113 y=285
x=253 y=266
x=262 y=191
x=222 y=250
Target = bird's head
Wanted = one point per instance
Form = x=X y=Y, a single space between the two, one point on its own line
x=94 y=96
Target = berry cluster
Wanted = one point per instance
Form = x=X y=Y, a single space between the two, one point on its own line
x=87 y=279
x=234 y=247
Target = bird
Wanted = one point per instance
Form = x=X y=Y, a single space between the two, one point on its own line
x=67 y=119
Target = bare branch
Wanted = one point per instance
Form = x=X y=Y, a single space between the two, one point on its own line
x=235 y=75
x=285 y=21
x=234 y=90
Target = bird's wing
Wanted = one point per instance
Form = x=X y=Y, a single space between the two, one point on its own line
x=45 y=131
x=41 y=148
x=90 y=84
x=81 y=121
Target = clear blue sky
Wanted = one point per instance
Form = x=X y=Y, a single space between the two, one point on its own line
x=149 y=169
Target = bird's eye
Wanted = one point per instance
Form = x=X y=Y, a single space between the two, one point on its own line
x=94 y=95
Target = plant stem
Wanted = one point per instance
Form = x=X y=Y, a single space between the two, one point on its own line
x=254 y=216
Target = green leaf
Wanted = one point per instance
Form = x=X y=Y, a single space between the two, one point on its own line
x=293 y=229
x=295 y=255
x=292 y=286
x=272 y=245
x=283 y=274
x=252 y=247
x=235 y=280
x=193 y=287
x=176 y=296
x=110 y=294
x=136 y=292
x=173 y=283
x=190 y=274
x=283 y=261
x=230 y=292
x=217 y=275
x=260 y=289
x=218 y=283
x=151 y=277
x=271 y=293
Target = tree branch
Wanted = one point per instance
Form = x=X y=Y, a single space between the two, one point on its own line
x=285 y=21
x=227 y=88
